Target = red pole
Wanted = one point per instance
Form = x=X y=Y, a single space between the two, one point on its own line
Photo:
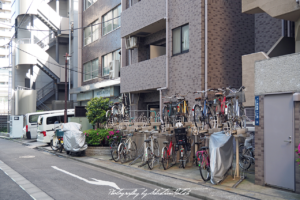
x=66 y=88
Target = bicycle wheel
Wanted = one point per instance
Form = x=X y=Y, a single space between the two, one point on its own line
x=204 y=167
x=184 y=158
x=53 y=145
x=61 y=146
x=245 y=162
x=122 y=153
x=114 y=151
x=150 y=158
x=164 y=159
x=133 y=150
x=198 y=115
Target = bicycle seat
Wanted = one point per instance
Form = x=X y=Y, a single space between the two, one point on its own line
x=166 y=142
x=219 y=94
x=167 y=102
x=116 y=103
x=198 y=142
x=198 y=99
x=204 y=148
x=180 y=98
x=147 y=141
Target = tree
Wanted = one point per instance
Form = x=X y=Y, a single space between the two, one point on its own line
x=96 y=110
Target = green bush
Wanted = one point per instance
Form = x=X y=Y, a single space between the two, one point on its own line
x=96 y=110
x=100 y=137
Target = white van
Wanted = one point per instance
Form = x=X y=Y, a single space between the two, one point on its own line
x=47 y=123
x=30 y=122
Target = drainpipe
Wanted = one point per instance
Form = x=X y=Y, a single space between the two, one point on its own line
x=57 y=6
x=167 y=60
x=57 y=49
x=206 y=47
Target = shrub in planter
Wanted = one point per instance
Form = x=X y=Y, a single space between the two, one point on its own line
x=100 y=137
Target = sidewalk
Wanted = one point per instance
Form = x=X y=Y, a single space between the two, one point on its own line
x=176 y=177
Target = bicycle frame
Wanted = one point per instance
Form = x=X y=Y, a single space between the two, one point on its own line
x=207 y=161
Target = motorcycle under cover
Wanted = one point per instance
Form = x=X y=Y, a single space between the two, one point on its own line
x=74 y=138
x=221 y=155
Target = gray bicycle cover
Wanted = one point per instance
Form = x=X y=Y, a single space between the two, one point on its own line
x=221 y=155
x=74 y=138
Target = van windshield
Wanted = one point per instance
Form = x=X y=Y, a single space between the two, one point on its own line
x=34 y=118
x=60 y=119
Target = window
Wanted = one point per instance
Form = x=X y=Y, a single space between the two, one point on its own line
x=34 y=118
x=90 y=70
x=181 y=40
x=88 y=3
x=109 y=23
x=109 y=58
x=91 y=33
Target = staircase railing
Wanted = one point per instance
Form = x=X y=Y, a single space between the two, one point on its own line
x=45 y=90
x=43 y=106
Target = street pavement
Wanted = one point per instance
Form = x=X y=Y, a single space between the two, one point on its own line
x=61 y=178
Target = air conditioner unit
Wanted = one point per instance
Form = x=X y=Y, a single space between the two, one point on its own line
x=114 y=69
x=132 y=42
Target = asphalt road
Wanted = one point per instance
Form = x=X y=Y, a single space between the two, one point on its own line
x=62 y=178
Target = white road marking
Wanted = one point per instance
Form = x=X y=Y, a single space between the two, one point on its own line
x=95 y=182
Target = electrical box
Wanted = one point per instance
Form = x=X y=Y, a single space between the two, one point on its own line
x=16 y=126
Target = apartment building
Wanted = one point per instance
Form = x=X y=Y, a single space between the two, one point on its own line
x=43 y=35
x=99 y=50
x=5 y=32
x=271 y=74
x=181 y=47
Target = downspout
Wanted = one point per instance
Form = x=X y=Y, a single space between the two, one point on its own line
x=205 y=47
x=167 y=60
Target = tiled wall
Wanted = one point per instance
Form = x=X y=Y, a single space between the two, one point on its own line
x=267 y=32
x=105 y=44
x=259 y=146
x=230 y=35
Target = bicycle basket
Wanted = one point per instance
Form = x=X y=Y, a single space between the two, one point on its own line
x=180 y=136
x=59 y=133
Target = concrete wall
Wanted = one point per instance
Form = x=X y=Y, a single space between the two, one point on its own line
x=105 y=44
x=279 y=74
x=145 y=75
x=141 y=15
x=248 y=65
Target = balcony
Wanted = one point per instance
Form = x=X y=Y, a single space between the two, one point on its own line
x=143 y=18
x=146 y=75
x=287 y=9
x=278 y=74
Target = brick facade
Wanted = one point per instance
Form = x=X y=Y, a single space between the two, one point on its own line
x=259 y=146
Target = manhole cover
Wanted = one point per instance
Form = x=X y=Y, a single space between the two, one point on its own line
x=26 y=156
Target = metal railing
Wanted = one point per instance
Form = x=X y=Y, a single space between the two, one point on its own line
x=45 y=90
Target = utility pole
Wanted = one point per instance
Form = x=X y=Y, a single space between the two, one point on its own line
x=66 y=86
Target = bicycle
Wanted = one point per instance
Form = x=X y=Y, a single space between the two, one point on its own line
x=203 y=114
x=127 y=149
x=184 y=142
x=204 y=162
x=151 y=150
x=168 y=154
x=114 y=149
x=246 y=153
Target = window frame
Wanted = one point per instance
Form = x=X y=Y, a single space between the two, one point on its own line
x=84 y=4
x=112 y=20
x=116 y=51
x=91 y=70
x=91 y=32
x=181 y=39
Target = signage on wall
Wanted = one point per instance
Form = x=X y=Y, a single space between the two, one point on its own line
x=257 y=111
